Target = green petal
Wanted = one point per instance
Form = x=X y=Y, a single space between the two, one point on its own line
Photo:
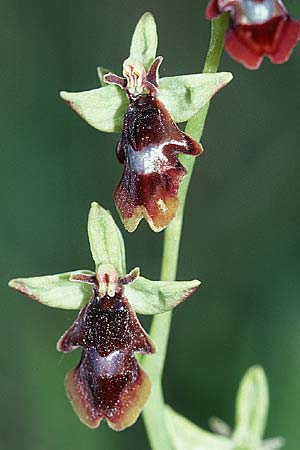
x=56 y=291
x=184 y=95
x=106 y=241
x=155 y=297
x=144 y=40
x=102 y=108
x=185 y=435
x=251 y=408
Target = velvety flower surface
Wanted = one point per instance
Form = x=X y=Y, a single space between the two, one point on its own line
x=257 y=28
x=108 y=382
x=148 y=149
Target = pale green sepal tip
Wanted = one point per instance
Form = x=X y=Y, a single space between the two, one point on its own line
x=106 y=241
x=144 y=40
x=185 y=435
x=102 y=108
x=252 y=405
x=273 y=443
x=135 y=272
x=156 y=297
x=56 y=291
x=184 y=95
x=218 y=426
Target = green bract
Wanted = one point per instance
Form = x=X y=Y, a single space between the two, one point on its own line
x=183 y=96
x=107 y=247
x=251 y=414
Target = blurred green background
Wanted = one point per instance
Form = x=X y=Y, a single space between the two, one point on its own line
x=241 y=233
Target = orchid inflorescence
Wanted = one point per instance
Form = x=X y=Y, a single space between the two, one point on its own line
x=109 y=381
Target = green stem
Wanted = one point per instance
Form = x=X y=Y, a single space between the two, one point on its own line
x=161 y=323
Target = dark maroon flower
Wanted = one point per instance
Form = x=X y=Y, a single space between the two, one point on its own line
x=148 y=148
x=257 y=28
x=108 y=382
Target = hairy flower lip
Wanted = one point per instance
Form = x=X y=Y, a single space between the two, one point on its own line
x=108 y=382
x=257 y=29
x=129 y=407
x=148 y=146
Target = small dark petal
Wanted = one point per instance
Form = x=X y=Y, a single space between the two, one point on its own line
x=83 y=278
x=130 y=277
x=152 y=74
x=148 y=148
x=112 y=78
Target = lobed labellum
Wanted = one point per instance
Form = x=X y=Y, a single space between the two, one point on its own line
x=148 y=148
x=108 y=382
x=258 y=28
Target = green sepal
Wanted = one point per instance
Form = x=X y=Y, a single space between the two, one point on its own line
x=184 y=95
x=101 y=71
x=102 y=108
x=144 y=40
x=156 y=297
x=56 y=291
x=252 y=405
x=185 y=435
x=106 y=241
